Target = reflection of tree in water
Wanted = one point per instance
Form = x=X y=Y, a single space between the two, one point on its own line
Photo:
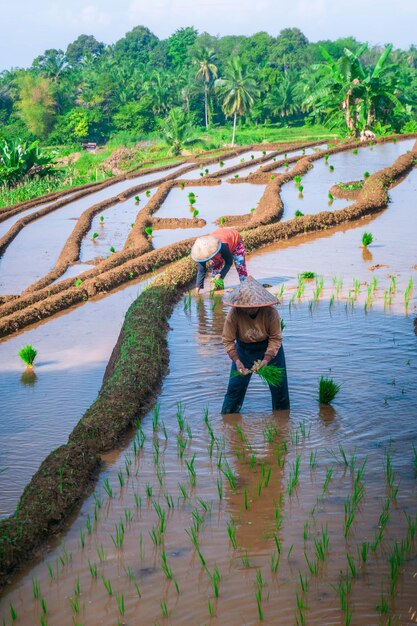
x=259 y=448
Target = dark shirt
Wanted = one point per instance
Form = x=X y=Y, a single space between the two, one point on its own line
x=228 y=261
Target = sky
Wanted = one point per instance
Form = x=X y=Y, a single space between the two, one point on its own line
x=28 y=27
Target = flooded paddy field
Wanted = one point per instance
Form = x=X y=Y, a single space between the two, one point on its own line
x=39 y=412
x=307 y=516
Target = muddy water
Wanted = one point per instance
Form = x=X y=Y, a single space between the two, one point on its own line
x=46 y=237
x=347 y=167
x=372 y=353
x=337 y=252
x=245 y=157
x=360 y=420
x=114 y=230
x=37 y=414
x=211 y=202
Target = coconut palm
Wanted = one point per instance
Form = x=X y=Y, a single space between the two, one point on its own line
x=207 y=71
x=282 y=101
x=237 y=92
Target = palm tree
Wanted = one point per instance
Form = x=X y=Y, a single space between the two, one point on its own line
x=207 y=71
x=281 y=100
x=237 y=91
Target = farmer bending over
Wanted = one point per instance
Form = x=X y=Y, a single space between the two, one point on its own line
x=252 y=333
x=221 y=248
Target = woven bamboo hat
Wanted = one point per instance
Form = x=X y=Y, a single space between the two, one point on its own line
x=205 y=248
x=250 y=294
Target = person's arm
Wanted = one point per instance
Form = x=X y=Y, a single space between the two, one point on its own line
x=229 y=337
x=274 y=337
x=201 y=273
x=228 y=259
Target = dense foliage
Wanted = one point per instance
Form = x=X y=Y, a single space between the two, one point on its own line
x=94 y=91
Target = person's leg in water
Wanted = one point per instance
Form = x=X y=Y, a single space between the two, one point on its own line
x=279 y=394
x=236 y=389
x=240 y=261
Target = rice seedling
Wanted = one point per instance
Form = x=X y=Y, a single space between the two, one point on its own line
x=307 y=275
x=101 y=220
x=363 y=551
x=258 y=594
x=121 y=478
x=118 y=539
x=180 y=416
x=220 y=488
x=28 y=355
x=137 y=199
x=155 y=536
x=270 y=432
x=313 y=459
x=366 y=174
x=195 y=213
x=231 y=531
x=228 y=473
x=281 y=290
x=367 y=239
x=286 y=164
x=164 y=608
x=75 y=605
x=182 y=184
x=94 y=236
x=93 y=569
x=321 y=545
x=36 y=588
x=313 y=566
x=329 y=474
x=351 y=563
x=107 y=585
x=148 y=231
x=298 y=213
x=167 y=570
x=328 y=390
x=112 y=250
x=350 y=512
x=192 y=474
x=326 y=158
x=297 y=180
x=147 y=193
x=294 y=475
x=222 y=221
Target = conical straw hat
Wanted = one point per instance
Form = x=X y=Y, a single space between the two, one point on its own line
x=250 y=293
x=205 y=248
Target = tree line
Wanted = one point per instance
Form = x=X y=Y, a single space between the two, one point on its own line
x=142 y=85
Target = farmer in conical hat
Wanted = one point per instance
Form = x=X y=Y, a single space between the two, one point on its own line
x=222 y=248
x=252 y=338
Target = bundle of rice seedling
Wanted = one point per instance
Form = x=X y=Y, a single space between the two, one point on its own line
x=269 y=374
x=28 y=355
x=218 y=284
x=328 y=389
x=367 y=239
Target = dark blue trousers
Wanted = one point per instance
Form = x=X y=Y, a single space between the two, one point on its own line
x=236 y=390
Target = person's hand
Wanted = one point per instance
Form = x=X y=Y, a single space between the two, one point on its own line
x=242 y=369
x=258 y=364
x=217 y=277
